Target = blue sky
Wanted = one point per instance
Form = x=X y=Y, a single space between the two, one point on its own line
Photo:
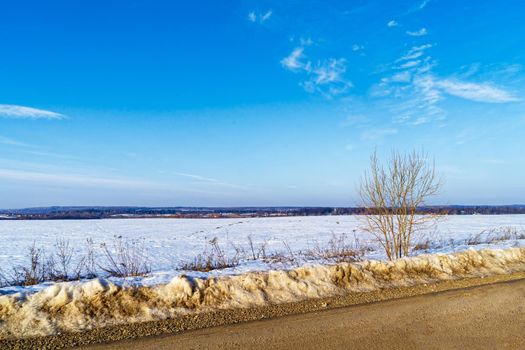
x=236 y=103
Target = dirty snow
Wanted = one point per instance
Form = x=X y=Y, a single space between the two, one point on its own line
x=73 y=306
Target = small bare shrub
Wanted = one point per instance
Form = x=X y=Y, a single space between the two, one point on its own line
x=125 y=258
x=58 y=263
x=89 y=264
x=41 y=268
x=33 y=273
x=392 y=193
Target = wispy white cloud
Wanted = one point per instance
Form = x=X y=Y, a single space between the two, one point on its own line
x=354 y=120
x=410 y=64
x=12 y=142
x=51 y=154
x=466 y=136
x=266 y=16
x=504 y=72
x=418 y=91
x=259 y=17
x=434 y=88
x=293 y=60
x=32 y=149
x=357 y=47
x=329 y=74
x=306 y=41
x=209 y=180
x=72 y=179
x=197 y=177
x=377 y=134
x=392 y=23
x=412 y=56
x=324 y=76
x=420 y=121
x=15 y=111
x=419 y=48
x=415 y=52
x=420 y=32
x=401 y=77
x=423 y=4
x=481 y=92
x=62 y=179
x=418 y=6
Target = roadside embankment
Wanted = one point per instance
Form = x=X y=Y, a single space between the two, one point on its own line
x=102 y=311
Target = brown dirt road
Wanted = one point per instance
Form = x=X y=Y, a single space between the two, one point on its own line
x=484 y=317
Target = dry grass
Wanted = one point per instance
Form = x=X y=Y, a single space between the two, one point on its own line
x=490 y=236
x=213 y=258
x=495 y=235
x=121 y=258
x=286 y=256
x=259 y=252
x=124 y=258
x=425 y=244
x=338 y=250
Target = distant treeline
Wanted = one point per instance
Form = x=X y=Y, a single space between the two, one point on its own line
x=64 y=213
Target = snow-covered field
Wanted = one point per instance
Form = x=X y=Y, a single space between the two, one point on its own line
x=170 y=243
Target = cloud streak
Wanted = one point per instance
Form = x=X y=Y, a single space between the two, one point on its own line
x=418 y=7
x=23 y=112
x=72 y=179
x=208 y=180
x=423 y=4
x=483 y=92
x=392 y=23
x=260 y=17
x=12 y=142
x=377 y=134
x=421 y=32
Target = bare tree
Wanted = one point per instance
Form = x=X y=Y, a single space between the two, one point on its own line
x=391 y=194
